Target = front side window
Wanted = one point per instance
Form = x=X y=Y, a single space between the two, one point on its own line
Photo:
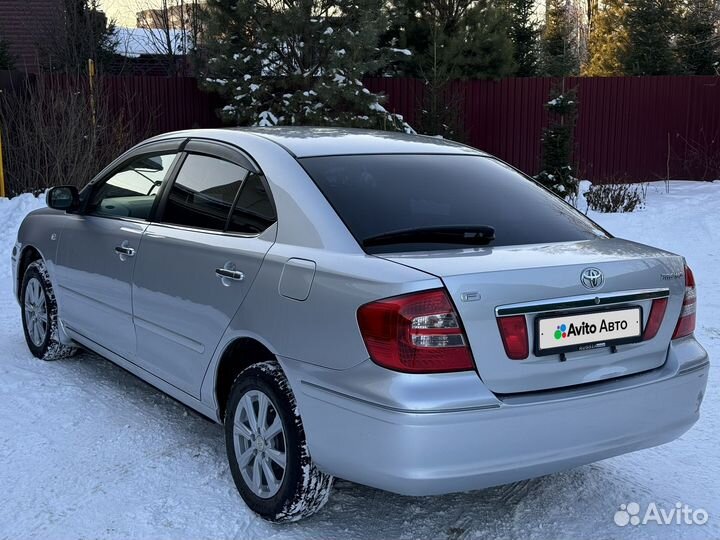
x=131 y=192
x=204 y=193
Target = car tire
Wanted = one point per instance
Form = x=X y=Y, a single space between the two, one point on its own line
x=263 y=429
x=40 y=315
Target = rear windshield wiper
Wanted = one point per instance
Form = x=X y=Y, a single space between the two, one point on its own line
x=473 y=235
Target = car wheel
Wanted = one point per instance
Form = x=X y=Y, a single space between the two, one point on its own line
x=267 y=450
x=39 y=315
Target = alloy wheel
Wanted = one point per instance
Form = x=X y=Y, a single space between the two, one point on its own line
x=36 y=316
x=260 y=445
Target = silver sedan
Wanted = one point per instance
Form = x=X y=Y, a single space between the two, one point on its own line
x=400 y=311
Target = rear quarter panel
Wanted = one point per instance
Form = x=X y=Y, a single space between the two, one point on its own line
x=323 y=329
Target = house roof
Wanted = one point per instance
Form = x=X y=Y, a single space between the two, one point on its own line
x=136 y=42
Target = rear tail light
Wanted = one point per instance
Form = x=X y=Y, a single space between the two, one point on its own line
x=415 y=333
x=686 y=322
x=657 y=313
x=514 y=336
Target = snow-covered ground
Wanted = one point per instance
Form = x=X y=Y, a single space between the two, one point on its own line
x=89 y=451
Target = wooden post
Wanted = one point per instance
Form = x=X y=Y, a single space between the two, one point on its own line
x=2 y=171
x=91 y=74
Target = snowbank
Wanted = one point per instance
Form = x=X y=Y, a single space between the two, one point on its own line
x=12 y=212
x=87 y=450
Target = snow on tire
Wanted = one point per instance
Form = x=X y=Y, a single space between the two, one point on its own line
x=40 y=315
x=260 y=398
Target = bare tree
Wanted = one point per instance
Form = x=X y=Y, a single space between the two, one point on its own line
x=172 y=32
x=56 y=132
x=581 y=12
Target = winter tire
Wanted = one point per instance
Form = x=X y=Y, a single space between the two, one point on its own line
x=267 y=450
x=40 y=315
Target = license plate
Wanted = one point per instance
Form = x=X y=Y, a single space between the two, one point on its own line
x=578 y=332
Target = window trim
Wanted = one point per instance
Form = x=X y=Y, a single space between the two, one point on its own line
x=221 y=151
x=208 y=231
x=228 y=219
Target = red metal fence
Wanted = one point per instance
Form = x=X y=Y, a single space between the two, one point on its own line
x=161 y=104
x=628 y=128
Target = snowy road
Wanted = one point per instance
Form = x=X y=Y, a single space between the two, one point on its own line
x=89 y=451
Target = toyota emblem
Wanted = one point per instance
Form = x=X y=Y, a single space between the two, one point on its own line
x=592 y=278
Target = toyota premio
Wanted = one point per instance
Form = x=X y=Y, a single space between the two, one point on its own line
x=399 y=311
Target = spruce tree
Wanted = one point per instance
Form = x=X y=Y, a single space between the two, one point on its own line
x=480 y=48
x=451 y=39
x=558 y=174
x=559 y=43
x=608 y=43
x=299 y=62
x=525 y=35
x=698 y=41
x=650 y=27
x=458 y=38
x=406 y=30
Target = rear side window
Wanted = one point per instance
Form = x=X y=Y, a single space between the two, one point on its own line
x=253 y=212
x=379 y=194
x=204 y=192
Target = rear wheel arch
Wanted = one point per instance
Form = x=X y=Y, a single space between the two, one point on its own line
x=238 y=355
x=267 y=447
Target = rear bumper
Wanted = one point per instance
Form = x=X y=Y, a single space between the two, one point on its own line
x=426 y=452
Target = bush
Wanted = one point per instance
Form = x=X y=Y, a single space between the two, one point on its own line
x=56 y=132
x=608 y=198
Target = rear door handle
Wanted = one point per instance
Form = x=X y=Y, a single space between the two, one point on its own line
x=124 y=251
x=235 y=275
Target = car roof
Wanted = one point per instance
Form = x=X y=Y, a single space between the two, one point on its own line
x=304 y=141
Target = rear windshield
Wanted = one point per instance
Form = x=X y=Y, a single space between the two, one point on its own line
x=378 y=194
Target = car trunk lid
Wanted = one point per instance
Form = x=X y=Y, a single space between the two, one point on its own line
x=538 y=281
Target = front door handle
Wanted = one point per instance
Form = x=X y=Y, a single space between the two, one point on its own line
x=225 y=273
x=124 y=251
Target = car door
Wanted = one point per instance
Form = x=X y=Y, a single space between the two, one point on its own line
x=200 y=258
x=100 y=245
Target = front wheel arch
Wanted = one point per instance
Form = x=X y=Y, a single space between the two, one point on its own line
x=28 y=255
x=48 y=345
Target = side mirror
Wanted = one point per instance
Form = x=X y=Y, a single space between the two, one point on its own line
x=64 y=198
